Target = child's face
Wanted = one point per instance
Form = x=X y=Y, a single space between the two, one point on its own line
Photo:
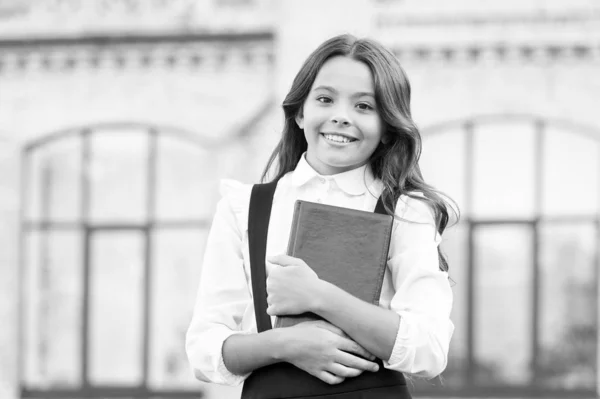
x=340 y=119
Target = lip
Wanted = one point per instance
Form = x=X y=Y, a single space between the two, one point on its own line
x=340 y=134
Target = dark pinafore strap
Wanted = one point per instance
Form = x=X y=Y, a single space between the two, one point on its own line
x=259 y=215
x=284 y=380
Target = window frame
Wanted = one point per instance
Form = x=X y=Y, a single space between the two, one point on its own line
x=88 y=228
x=471 y=224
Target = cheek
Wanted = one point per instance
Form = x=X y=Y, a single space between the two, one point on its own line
x=315 y=116
x=310 y=134
x=371 y=147
x=375 y=132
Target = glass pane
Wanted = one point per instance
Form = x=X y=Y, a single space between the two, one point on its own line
x=186 y=182
x=570 y=162
x=568 y=319
x=503 y=314
x=454 y=246
x=177 y=257
x=118 y=168
x=54 y=181
x=443 y=163
x=504 y=164
x=53 y=298
x=116 y=308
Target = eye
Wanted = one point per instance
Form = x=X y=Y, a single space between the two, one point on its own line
x=324 y=99
x=365 y=106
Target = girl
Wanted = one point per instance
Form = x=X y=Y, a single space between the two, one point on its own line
x=348 y=141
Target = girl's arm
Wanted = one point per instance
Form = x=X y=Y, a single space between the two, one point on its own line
x=222 y=299
x=318 y=348
x=243 y=353
x=412 y=336
x=221 y=349
x=373 y=326
x=295 y=288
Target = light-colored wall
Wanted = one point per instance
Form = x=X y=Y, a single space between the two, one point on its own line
x=564 y=89
x=214 y=101
x=9 y=197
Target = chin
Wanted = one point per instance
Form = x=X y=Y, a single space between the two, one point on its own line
x=342 y=167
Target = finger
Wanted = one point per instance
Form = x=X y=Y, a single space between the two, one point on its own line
x=348 y=345
x=285 y=260
x=329 y=378
x=344 y=371
x=273 y=275
x=329 y=327
x=272 y=284
x=355 y=362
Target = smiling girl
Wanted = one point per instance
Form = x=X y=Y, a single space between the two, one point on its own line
x=348 y=141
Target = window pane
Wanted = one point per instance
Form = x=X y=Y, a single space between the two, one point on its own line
x=570 y=174
x=118 y=168
x=503 y=279
x=568 y=319
x=443 y=163
x=177 y=257
x=54 y=181
x=454 y=246
x=186 y=182
x=53 y=297
x=503 y=171
x=116 y=308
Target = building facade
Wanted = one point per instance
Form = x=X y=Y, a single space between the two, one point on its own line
x=119 y=118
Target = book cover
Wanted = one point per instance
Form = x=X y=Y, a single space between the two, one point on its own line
x=346 y=247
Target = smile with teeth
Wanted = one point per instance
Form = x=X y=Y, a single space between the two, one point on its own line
x=337 y=138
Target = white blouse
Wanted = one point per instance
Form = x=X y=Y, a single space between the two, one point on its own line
x=413 y=285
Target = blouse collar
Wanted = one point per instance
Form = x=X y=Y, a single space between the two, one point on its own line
x=354 y=182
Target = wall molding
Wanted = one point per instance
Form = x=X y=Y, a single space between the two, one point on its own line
x=221 y=51
x=499 y=52
x=121 y=52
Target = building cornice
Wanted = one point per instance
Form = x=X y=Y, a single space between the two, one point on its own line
x=530 y=53
x=389 y=19
x=145 y=51
x=107 y=40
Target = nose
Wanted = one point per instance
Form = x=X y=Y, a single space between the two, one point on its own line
x=340 y=119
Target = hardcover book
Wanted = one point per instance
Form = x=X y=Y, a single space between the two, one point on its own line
x=346 y=247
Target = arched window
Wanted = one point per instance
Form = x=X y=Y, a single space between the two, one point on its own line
x=113 y=227
x=524 y=257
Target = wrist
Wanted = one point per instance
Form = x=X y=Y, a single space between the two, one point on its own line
x=281 y=346
x=319 y=297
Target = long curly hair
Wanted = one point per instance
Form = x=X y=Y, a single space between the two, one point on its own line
x=396 y=159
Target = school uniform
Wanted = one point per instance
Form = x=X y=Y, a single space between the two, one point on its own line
x=413 y=287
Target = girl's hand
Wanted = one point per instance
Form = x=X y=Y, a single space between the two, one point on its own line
x=326 y=352
x=290 y=286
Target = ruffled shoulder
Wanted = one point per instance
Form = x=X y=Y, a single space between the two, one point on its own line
x=413 y=210
x=237 y=196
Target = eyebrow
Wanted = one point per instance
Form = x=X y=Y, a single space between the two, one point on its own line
x=358 y=94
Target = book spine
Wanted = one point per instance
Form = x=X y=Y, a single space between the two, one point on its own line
x=383 y=262
x=294 y=228
x=285 y=321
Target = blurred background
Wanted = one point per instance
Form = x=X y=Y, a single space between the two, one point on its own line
x=118 y=118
